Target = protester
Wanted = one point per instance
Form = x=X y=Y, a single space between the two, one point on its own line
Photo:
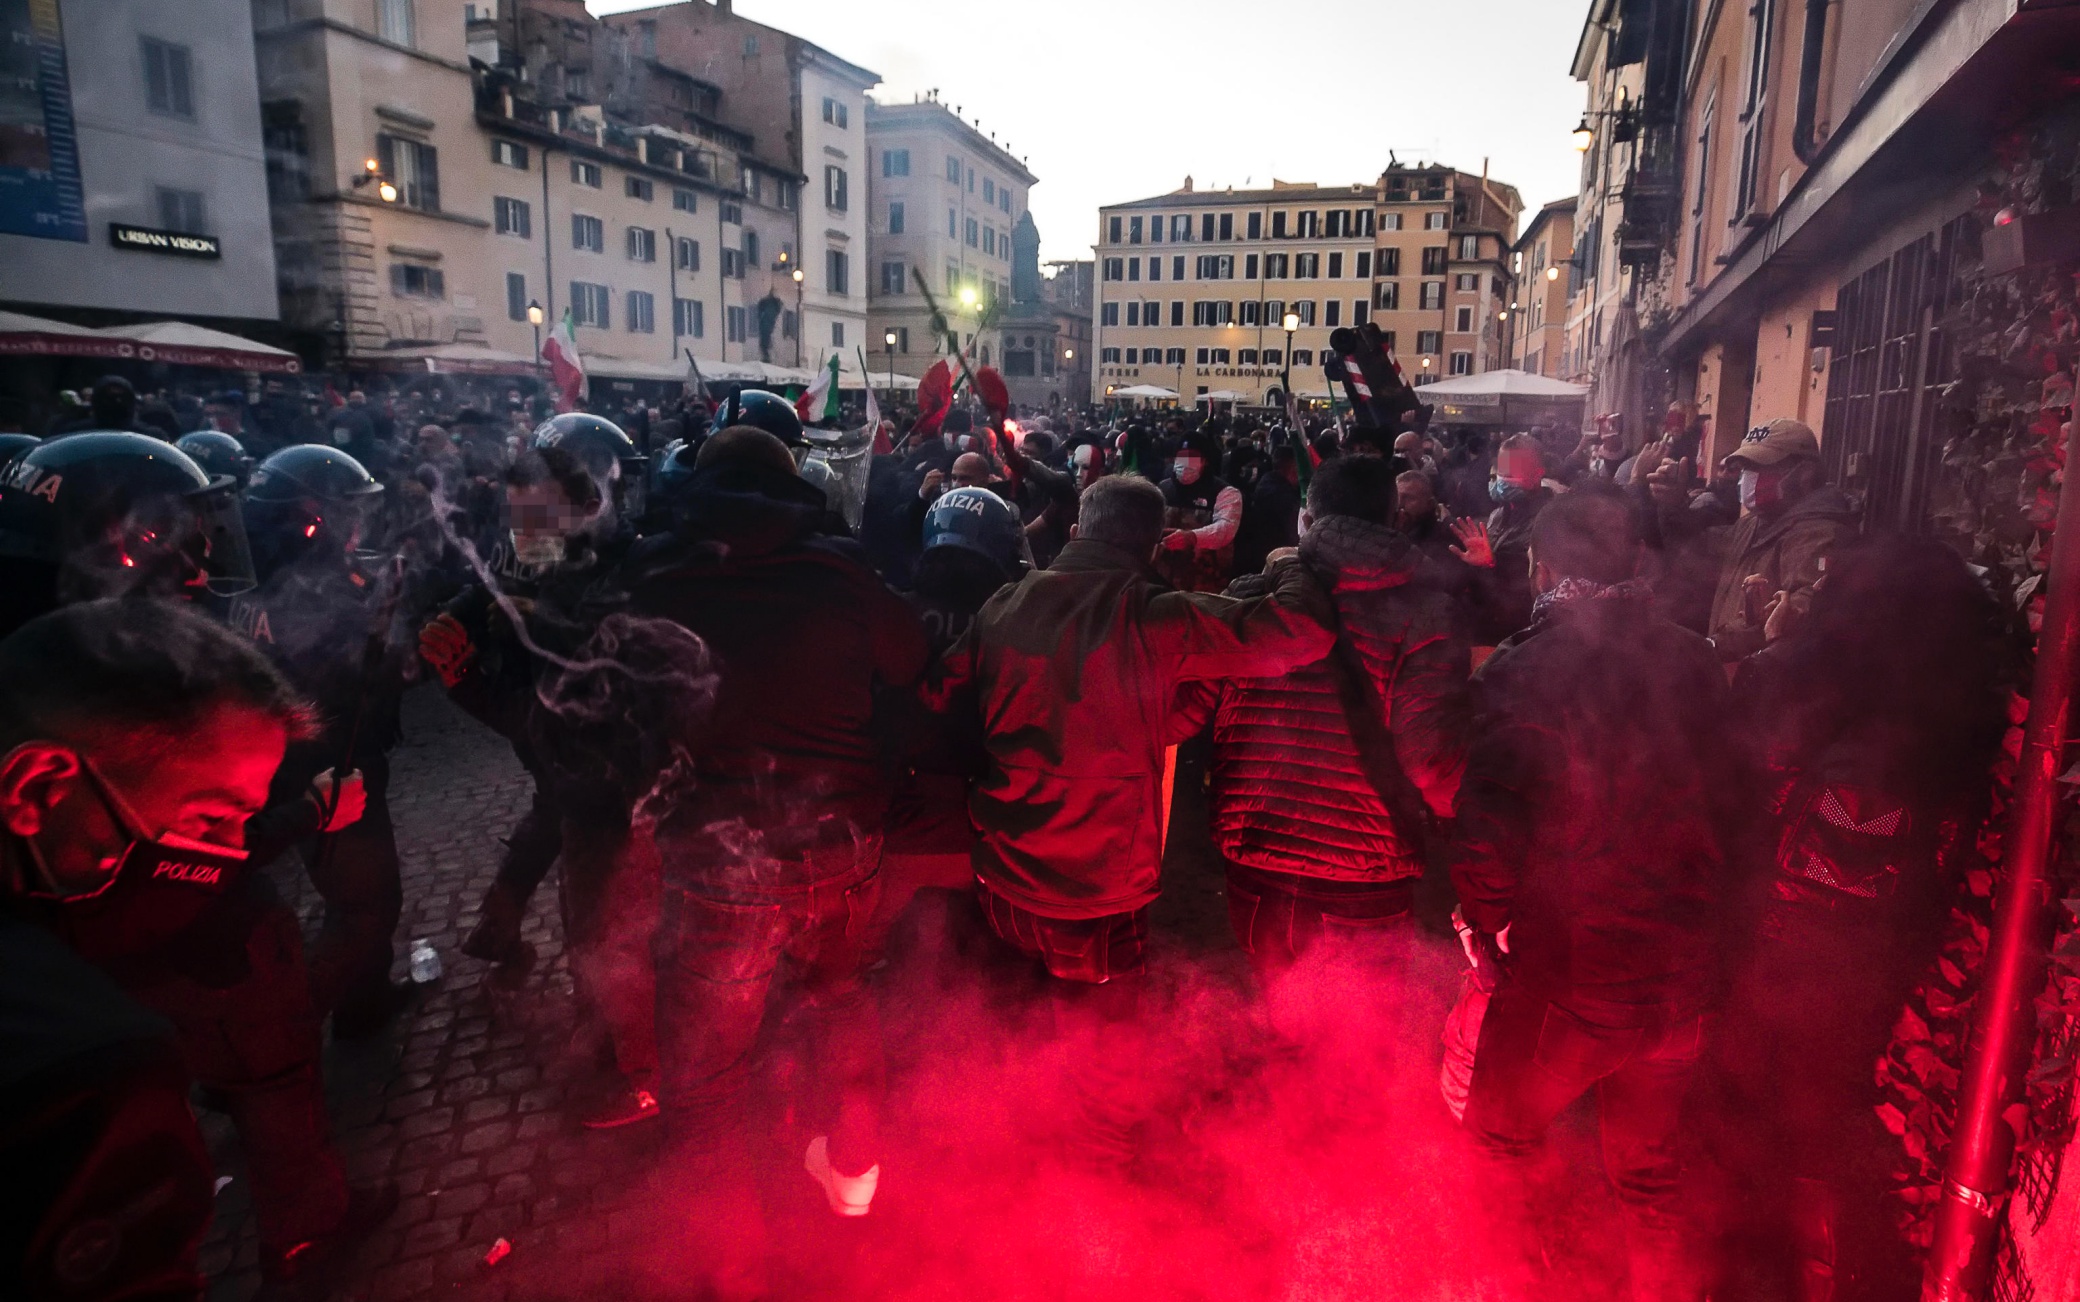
x=774 y=850
x=1605 y=929
x=1794 y=519
x=1871 y=726
x=1502 y=593
x=1203 y=514
x=1325 y=780
x=1075 y=671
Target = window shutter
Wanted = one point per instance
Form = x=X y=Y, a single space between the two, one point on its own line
x=397 y=278
x=436 y=284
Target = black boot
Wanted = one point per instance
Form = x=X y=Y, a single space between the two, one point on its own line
x=496 y=937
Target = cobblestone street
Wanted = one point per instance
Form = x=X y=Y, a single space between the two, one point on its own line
x=469 y=1102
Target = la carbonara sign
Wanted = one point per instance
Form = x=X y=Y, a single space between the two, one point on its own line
x=178 y=243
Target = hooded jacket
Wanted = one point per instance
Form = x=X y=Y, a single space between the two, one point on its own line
x=1076 y=671
x=790 y=778
x=1592 y=820
x=1291 y=791
x=1787 y=550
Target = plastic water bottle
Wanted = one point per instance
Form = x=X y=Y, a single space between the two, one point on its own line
x=426 y=962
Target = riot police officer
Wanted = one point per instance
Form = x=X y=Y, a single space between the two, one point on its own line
x=322 y=612
x=110 y=512
x=218 y=454
x=137 y=738
x=572 y=503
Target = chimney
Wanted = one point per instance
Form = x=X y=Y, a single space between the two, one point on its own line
x=1187 y=185
x=723 y=6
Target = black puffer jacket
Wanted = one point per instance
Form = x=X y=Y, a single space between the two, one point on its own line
x=1290 y=791
x=1593 y=816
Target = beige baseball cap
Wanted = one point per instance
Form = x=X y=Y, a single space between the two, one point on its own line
x=1783 y=439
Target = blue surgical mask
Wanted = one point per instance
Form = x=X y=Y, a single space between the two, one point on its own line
x=1501 y=490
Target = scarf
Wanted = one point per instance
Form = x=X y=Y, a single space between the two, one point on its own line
x=1574 y=588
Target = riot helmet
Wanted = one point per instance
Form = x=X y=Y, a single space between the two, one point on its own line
x=761 y=410
x=108 y=512
x=608 y=455
x=218 y=454
x=13 y=445
x=308 y=500
x=978 y=521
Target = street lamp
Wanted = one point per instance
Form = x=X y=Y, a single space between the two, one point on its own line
x=1553 y=272
x=800 y=326
x=535 y=317
x=968 y=296
x=888 y=341
x=1583 y=136
x=1291 y=322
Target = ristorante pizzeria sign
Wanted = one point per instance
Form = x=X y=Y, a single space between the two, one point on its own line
x=178 y=243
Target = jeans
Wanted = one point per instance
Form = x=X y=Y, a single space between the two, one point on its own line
x=1330 y=957
x=1097 y=967
x=610 y=895
x=720 y=959
x=1535 y=1058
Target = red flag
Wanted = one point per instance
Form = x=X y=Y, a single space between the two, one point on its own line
x=934 y=397
x=989 y=386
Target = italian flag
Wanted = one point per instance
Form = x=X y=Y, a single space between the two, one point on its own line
x=560 y=350
x=820 y=400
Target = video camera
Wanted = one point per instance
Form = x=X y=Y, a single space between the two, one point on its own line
x=1360 y=359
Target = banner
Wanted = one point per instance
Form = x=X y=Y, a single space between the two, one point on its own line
x=40 y=191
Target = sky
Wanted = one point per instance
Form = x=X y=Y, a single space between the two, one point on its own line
x=1111 y=100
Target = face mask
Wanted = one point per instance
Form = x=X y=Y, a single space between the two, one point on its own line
x=167 y=861
x=538 y=548
x=1187 y=469
x=1501 y=490
x=1760 y=492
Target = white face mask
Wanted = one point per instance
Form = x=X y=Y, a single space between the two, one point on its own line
x=1187 y=469
x=1750 y=489
x=533 y=548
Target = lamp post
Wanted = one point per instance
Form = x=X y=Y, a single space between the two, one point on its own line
x=888 y=341
x=1290 y=322
x=799 y=325
x=535 y=316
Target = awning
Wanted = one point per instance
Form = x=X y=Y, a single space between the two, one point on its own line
x=1143 y=391
x=879 y=379
x=451 y=359
x=1503 y=397
x=1221 y=395
x=176 y=342
x=636 y=368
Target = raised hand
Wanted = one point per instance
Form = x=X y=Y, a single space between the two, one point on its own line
x=1474 y=547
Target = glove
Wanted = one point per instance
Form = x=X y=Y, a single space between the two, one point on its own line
x=341 y=801
x=445 y=645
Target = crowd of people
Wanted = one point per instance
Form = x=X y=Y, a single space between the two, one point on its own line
x=1686 y=763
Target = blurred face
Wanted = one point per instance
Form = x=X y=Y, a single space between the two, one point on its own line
x=1521 y=467
x=201 y=787
x=1410 y=445
x=544 y=520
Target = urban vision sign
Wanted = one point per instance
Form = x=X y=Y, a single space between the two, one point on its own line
x=178 y=243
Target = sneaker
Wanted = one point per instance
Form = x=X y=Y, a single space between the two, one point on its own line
x=849 y=1195
x=631 y=1101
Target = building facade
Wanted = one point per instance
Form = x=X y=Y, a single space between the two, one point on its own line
x=442 y=173
x=805 y=109
x=139 y=185
x=1542 y=264
x=1194 y=286
x=946 y=200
